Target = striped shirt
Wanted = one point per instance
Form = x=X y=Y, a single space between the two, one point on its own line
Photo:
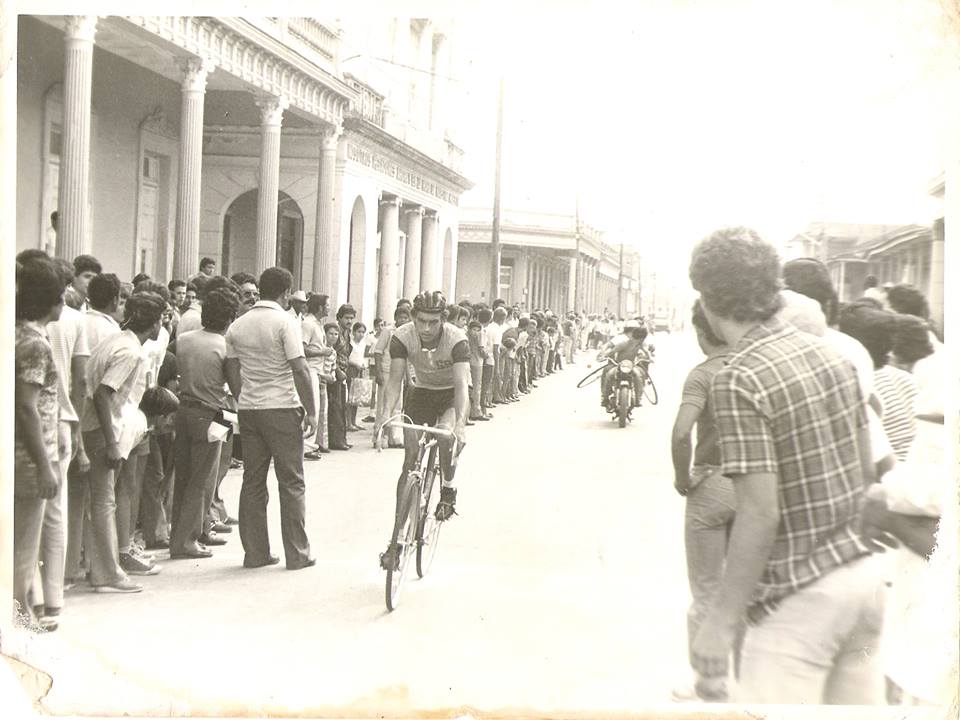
x=787 y=403
x=897 y=391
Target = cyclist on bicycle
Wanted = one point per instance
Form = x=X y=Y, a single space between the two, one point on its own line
x=626 y=346
x=440 y=354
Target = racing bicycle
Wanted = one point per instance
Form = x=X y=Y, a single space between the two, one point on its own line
x=416 y=529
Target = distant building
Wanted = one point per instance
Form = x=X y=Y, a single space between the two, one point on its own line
x=547 y=261
x=160 y=140
x=905 y=254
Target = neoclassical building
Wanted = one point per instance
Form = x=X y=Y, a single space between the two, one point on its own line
x=547 y=260
x=160 y=140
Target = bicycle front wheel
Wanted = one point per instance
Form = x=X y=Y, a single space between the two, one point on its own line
x=650 y=390
x=428 y=533
x=404 y=541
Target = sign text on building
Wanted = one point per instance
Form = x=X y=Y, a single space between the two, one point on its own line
x=385 y=166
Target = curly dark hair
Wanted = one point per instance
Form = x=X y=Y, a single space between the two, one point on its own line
x=243 y=277
x=874 y=329
x=907 y=300
x=40 y=287
x=911 y=339
x=143 y=310
x=103 y=290
x=148 y=285
x=220 y=308
x=701 y=323
x=810 y=277
x=737 y=275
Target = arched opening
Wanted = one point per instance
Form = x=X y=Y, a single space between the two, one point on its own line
x=239 y=245
x=448 y=263
x=357 y=253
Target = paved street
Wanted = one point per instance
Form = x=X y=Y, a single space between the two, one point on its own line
x=560 y=587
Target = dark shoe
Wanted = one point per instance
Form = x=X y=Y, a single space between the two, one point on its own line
x=212 y=540
x=340 y=447
x=231 y=521
x=445 y=508
x=194 y=553
x=312 y=455
x=160 y=544
x=323 y=450
x=221 y=527
x=469 y=423
x=235 y=464
x=309 y=562
x=270 y=560
x=369 y=419
x=484 y=418
x=390 y=559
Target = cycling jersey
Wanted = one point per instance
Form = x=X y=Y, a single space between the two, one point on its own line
x=432 y=368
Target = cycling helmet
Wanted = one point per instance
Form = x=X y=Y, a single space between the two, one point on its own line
x=631 y=325
x=431 y=301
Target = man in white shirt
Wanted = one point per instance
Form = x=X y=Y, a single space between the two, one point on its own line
x=103 y=298
x=268 y=374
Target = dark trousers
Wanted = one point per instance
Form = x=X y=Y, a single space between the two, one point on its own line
x=278 y=435
x=486 y=389
x=156 y=482
x=337 y=414
x=197 y=462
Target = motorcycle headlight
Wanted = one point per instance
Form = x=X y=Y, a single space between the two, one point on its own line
x=626 y=366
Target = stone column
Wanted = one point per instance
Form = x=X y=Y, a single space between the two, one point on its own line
x=429 y=251
x=271 y=117
x=186 y=248
x=571 y=283
x=935 y=294
x=389 y=257
x=75 y=155
x=414 y=222
x=324 y=247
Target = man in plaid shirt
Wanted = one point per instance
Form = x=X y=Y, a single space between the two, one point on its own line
x=793 y=437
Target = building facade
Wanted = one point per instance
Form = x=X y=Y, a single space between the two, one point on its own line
x=904 y=254
x=547 y=261
x=254 y=141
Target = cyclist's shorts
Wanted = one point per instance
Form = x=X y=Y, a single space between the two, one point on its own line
x=426 y=407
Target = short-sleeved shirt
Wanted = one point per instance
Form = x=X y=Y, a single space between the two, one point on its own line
x=696 y=392
x=201 y=356
x=190 y=320
x=265 y=339
x=117 y=362
x=311 y=327
x=897 y=391
x=787 y=403
x=97 y=326
x=432 y=368
x=35 y=365
x=487 y=336
x=68 y=340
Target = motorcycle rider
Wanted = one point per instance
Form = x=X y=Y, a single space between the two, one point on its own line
x=626 y=346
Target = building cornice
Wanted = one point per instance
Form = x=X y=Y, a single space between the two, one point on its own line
x=246 y=52
x=382 y=138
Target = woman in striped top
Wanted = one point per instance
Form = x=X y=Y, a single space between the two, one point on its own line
x=896 y=388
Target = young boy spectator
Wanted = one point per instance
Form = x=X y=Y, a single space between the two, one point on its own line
x=39 y=301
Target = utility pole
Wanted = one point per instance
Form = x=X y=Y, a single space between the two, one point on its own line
x=620 y=284
x=495 y=246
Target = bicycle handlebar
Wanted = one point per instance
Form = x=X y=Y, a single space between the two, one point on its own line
x=439 y=431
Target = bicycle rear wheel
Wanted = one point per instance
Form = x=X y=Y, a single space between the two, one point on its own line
x=404 y=540
x=428 y=531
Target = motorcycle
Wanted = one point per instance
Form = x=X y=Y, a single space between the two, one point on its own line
x=622 y=397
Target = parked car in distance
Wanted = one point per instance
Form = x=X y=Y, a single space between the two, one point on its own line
x=661 y=322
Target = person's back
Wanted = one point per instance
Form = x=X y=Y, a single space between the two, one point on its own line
x=200 y=357
x=264 y=340
x=810 y=396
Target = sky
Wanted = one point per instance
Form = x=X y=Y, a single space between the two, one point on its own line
x=670 y=119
